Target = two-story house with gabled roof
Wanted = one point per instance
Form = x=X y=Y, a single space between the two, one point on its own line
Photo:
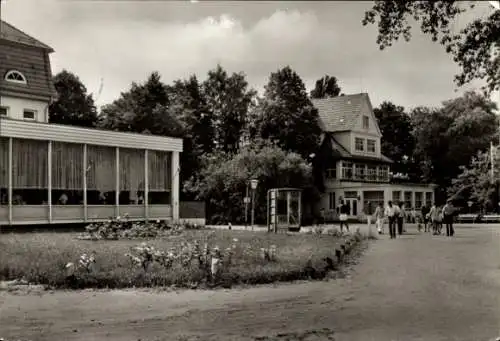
x=353 y=169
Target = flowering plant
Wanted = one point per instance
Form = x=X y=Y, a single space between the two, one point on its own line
x=85 y=263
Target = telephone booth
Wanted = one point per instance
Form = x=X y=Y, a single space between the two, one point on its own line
x=284 y=209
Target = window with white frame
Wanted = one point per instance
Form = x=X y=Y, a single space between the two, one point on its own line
x=383 y=173
x=360 y=171
x=346 y=170
x=372 y=173
x=15 y=77
x=418 y=200
x=370 y=146
x=331 y=200
x=396 y=196
x=407 y=200
x=29 y=114
x=4 y=111
x=428 y=198
x=359 y=144
x=366 y=122
x=331 y=173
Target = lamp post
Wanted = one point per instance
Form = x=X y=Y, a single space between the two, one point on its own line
x=246 y=201
x=496 y=7
x=253 y=184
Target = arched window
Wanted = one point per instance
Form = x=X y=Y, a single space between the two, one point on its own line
x=15 y=76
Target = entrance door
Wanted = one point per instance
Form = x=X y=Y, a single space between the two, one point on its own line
x=353 y=206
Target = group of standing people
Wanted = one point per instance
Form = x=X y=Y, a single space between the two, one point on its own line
x=435 y=216
x=395 y=216
x=431 y=217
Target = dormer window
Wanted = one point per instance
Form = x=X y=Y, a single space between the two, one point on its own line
x=15 y=77
x=366 y=122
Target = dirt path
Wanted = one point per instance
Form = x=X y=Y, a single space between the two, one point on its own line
x=418 y=287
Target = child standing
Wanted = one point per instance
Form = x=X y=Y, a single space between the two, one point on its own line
x=344 y=211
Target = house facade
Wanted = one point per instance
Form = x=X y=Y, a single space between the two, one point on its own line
x=352 y=166
x=51 y=173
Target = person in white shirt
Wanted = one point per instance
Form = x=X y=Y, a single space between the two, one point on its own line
x=391 y=212
x=369 y=213
x=379 y=218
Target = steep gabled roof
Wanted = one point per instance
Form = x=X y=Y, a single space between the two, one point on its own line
x=340 y=113
x=10 y=33
x=338 y=149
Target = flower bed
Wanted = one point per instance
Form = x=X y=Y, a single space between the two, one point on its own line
x=192 y=258
x=118 y=228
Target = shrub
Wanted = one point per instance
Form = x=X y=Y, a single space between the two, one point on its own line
x=118 y=228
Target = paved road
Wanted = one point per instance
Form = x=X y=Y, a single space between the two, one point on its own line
x=417 y=287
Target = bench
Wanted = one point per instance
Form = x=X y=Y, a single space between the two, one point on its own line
x=473 y=218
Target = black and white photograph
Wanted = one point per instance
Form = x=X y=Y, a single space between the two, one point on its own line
x=211 y=170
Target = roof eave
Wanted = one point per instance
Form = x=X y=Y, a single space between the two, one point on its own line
x=338 y=131
x=362 y=158
x=46 y=48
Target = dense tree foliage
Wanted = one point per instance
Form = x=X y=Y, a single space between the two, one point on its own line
x=286 y=115
x=472 y=48
x=228 y=98
x=397 y=142
x=448 y=137
x=142 y=109
x=224 y=177
x=477 y=183
x=73 y=105
x=326 y=87
x=189 y=106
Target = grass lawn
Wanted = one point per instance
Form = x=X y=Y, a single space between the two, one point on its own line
x=41 y=258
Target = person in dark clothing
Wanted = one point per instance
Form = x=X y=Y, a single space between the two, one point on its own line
x=344 y=211
x=425 y=218
x=399 y=217
x=390 y=213
x=448 y=212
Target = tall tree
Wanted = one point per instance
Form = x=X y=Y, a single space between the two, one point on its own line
x=326 y=87
x=449 y=137
x=286 y=114
x=73 y=105
x=471 y=48
x=142 y=109
x=188 y=105
x=397 y=142
x=228 y=99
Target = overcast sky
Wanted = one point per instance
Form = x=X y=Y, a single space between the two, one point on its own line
x=124 y=41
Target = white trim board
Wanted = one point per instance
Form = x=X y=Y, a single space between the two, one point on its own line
x=70 y=134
